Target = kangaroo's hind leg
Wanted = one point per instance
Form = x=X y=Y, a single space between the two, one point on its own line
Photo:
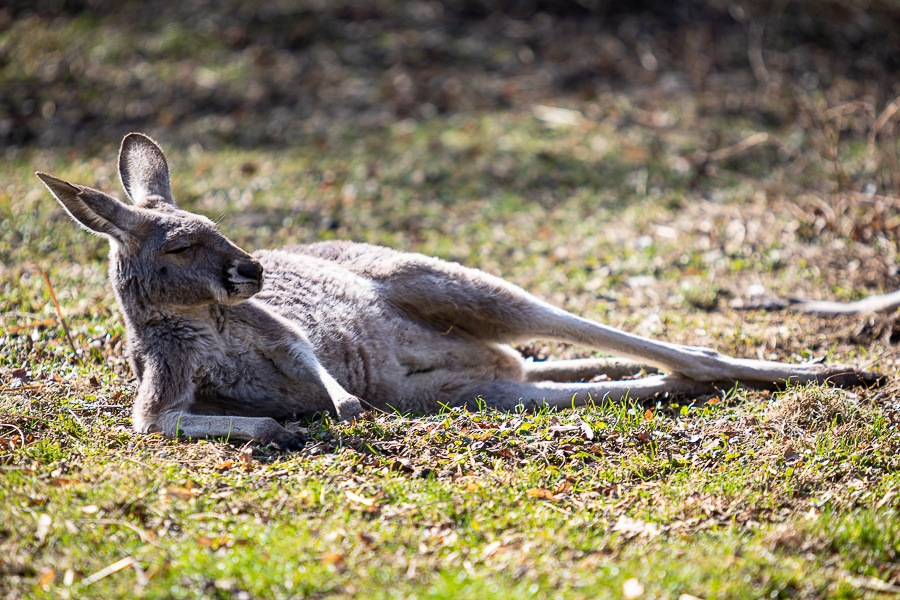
x=447 y=295
x=508 y=395
x=584 y=369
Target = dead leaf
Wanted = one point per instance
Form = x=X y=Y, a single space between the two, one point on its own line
x=214 y=543
x=648 y=414
x=556 y=116
x=185 y=493
x=543 y=494
x=586 y=430
x=874 y=584
x=634 y=527
x=362 y=503
x=225 y=465
x=472 y=486
x=354 y=497
x=43 y=527
x=402 y=464
x=246 y=456
x=63 y=482
x=491 y=549
x=564 y=486
x=632 y=588
x=46 y=578
x=90 y=509
x=790 y=454
x=367 y=538
x=334 y=559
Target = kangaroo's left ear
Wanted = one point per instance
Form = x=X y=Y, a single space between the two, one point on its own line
x=144 y=170
x=95 y=211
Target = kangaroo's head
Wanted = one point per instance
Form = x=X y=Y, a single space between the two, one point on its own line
x=160 y=256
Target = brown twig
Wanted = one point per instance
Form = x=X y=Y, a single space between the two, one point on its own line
x=62 y=319
x=742 y=146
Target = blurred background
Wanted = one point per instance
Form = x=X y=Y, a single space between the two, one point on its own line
x=75 y=72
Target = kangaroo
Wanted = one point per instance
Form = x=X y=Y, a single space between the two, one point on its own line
x=225 y=344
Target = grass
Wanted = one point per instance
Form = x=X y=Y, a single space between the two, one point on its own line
x=611 y=211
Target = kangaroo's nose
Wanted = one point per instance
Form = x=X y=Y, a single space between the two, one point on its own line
x=251 y=269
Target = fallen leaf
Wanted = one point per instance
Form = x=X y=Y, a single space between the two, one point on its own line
x=632 y=588
x=43 y=527
x=491 y=549
x=90 y=509
x=874 y=584
x=362 y=503
x=354 y=497
x=46 y=578
x=648 y=414
x=586 y=430
x=472 y=486
x=634 y=527
x=220 y=541
x=225 y=465
x=556 y=116
x=185 y=493
x=564 y=486
x=63 y=482
x=402 y=464
x=246 y=456
x=543 y=494
x=790 y=454
x=334 y=559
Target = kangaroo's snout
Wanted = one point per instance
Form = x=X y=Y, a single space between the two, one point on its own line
x=251 y=270
x=244 y=277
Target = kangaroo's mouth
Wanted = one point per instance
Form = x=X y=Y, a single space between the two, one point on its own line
x=243 y=279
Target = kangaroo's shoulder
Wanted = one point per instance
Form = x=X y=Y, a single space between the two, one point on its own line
x=342 y=251
x=366 y=260
x=333 y=257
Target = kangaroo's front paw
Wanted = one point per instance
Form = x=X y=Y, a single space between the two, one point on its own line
x=284 y=440
x=348 y=408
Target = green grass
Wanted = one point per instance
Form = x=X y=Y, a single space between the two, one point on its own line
x=749 y=495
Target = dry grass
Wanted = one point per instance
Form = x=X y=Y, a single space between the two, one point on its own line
x=754 y=160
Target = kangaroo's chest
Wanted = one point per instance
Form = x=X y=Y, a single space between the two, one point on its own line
x=236 y=373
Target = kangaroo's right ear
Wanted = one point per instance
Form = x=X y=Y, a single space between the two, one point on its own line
x=144 y=170
x=94 y=210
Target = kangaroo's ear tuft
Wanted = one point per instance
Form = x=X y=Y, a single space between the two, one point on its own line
x=144 y=170
x=94 y=210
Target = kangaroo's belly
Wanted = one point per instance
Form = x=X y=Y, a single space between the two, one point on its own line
x=373 y=350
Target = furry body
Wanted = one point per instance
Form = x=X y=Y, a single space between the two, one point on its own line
x=224 y=343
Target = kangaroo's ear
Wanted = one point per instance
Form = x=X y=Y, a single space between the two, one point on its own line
x=94 y=210
x=143 y=169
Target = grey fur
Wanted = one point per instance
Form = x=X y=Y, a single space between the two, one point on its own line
x=340 y=326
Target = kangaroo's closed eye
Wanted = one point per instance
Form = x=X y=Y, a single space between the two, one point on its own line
x=180 y=249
